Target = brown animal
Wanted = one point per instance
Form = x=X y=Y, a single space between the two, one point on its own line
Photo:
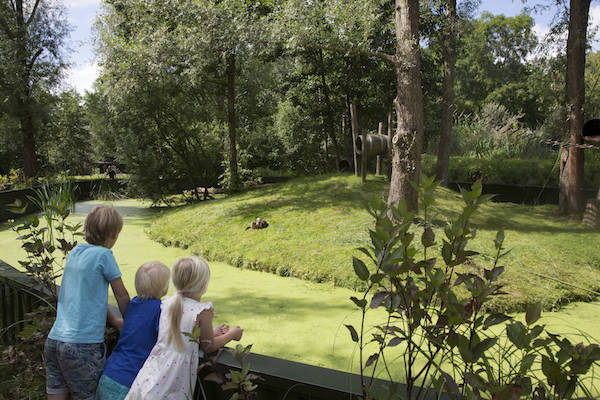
x=258 y=224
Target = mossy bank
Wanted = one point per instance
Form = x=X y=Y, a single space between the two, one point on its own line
x=316 y=223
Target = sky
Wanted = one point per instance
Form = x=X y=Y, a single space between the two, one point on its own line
x=81 y=15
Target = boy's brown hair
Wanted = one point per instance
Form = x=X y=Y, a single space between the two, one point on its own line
x=101 y=224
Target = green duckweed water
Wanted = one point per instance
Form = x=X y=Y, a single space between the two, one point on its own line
x=282 y=317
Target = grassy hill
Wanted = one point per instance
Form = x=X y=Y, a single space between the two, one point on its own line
x=317 y=222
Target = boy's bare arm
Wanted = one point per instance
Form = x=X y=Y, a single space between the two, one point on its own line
x=121 y=295
x=113 y=320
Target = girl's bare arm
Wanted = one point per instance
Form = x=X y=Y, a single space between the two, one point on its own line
x=210 y=343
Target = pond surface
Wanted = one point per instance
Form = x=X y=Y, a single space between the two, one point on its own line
x=282 y=317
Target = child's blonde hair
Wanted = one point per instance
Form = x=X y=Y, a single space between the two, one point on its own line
x=152 y=280
x=190 y=277
x=101 y=224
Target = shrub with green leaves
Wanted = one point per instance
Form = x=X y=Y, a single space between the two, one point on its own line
x=47 y=244
x=241 y=382
x=512 y=171
x=439 y=315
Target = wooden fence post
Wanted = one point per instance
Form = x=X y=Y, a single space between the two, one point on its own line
x=363 y=158
x=354 y=121
x=378 y=167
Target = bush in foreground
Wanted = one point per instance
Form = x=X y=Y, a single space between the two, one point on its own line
x=449 y=346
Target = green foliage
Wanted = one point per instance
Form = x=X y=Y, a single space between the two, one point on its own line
x=448 y=344
x=31 y=51
x=242 y=382
x=302 y=151
x=247 y=178
x=495 y=132
x=109 y=190
x=170 y=115
x=15 y=180
x=500 y=170
x=68 y=144
x=491 y=65
x=47 y=243
x=22 y=367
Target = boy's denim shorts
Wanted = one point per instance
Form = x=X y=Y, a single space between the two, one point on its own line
x=73 y=367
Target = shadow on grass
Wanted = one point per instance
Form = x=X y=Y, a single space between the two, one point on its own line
x=510 y=216
x=307 y=194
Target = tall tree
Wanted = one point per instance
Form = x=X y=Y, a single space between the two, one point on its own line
x=225 y=34
x=493 y=65
x=32 y=34
x=571 y=165
x=408 y=140
x=160 y=107
x=449 y=55
x=347 y=27
x=69 y=147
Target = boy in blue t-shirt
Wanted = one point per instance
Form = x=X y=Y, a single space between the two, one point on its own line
x=75 y=351
x=139 y=332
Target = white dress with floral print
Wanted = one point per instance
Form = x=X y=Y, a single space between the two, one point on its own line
x=170 y=374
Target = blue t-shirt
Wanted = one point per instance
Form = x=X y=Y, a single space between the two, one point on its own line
x=138 y=337
x=83 y=297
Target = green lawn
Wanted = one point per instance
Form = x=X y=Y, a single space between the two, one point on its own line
x=317 y=222
x=288 y=318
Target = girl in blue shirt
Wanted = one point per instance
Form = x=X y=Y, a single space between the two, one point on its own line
x=138 y=334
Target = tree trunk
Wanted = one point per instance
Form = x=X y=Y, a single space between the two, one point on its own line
x=378 y=165
x=329 y=126
x=390 y=148
x=408 y=140
x=363 y=158
x=233 y=167
x=449 y=49
x=25 y=109
x=571 y=173
x=27 y=133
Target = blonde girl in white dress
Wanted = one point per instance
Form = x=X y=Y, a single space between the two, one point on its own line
x=169 y=373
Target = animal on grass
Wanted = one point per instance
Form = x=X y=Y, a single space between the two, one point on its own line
x=258 y=224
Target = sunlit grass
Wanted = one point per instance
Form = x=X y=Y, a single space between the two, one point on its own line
x=316 y=223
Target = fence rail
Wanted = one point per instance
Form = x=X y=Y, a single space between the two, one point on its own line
x=18 y=295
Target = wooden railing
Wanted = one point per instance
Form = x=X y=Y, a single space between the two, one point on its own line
x=18 y=295
x=289 y=380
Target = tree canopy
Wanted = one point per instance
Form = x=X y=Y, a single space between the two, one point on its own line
x=32 y=36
